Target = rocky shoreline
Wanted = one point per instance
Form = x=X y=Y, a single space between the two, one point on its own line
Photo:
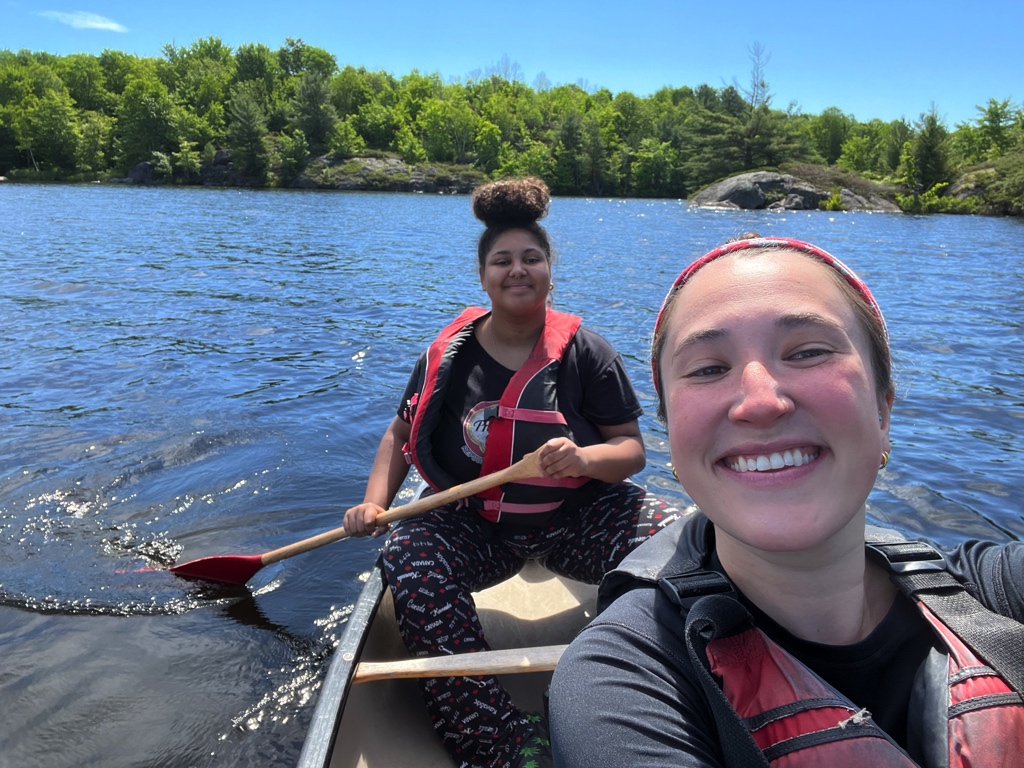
x=367 y=174
x=801 y=187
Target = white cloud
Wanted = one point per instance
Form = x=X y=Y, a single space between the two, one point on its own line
x=84 y=20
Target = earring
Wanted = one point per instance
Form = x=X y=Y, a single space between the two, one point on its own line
x=551 y=285
x=674 y=473
x=885 y=460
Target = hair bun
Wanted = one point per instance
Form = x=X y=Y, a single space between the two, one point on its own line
x=511 y=202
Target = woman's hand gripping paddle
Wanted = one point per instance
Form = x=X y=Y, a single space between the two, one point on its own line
x=238 y=569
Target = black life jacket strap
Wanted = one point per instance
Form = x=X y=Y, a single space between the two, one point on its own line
x=918 y=570
x=707 y=601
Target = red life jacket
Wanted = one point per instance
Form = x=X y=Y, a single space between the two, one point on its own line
x=794 y=717
x=771 y=710
x=527 y=416
x=797 y=720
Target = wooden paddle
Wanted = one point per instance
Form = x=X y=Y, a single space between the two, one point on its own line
x=238 y=569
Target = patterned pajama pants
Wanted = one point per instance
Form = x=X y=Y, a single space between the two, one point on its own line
x=434 y=561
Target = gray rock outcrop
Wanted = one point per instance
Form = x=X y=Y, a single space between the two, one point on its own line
x=779 y=191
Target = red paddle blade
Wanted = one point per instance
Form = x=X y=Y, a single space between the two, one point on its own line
x=230 y=569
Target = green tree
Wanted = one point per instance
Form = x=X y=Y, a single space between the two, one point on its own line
x=294 y=152
x=199 y=77
x=931 y=151
x=711 y=153
x=378 y=124
x=1006 y=192
x=632 y=119
x=95 y=145
x=345 y=140
x=119 y=68
x=857 y=155
x=9 y=155
x=897 y=134
x=314 y=114
x=188 y=125
x=185 y=161
x=534 y=160
x=143 y=121
x=906 y=171
x=296 y=58
x=416 y=90
x=863 y=150
x=350 y=90
x=995 y=126
x=509 y=114
x=654 y=169
x=967 y=145
x=28 y=78
x=448 y=128
x=488 y=145
x=569 y=172
x=247 y=131
x=409 y=147
x=829 y=132
x=83 y=75
x=598 y=137
x=46 y=129
x=162 y=168
x=255 y=62
x=707 y=97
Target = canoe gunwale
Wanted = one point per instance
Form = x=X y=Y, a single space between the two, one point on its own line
x=321 y=737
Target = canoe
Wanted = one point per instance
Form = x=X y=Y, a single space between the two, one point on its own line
x=370 y=713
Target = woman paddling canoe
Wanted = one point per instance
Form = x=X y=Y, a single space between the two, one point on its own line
x=495 y=385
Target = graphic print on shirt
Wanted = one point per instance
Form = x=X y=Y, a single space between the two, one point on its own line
x=475 y=428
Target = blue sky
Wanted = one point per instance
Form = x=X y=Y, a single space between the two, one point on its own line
x=871 y=58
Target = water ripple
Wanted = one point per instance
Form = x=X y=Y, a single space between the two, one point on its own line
x=198 y=372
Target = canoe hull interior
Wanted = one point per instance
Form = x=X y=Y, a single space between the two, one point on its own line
x=383 y=724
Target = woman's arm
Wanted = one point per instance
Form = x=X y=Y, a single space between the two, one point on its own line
x=619 y=456
x=386 y=477
x=623 y=694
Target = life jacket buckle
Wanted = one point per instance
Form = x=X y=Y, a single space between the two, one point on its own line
x=685 y=588
x=910 y=556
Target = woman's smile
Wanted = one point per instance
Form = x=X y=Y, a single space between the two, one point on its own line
x=776 y=460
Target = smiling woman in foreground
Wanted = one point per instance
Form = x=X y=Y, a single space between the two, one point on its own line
x=774 y=627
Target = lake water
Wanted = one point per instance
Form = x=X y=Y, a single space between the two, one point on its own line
x=191 y=372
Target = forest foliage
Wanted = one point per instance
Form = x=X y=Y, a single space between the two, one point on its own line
x=83 y=117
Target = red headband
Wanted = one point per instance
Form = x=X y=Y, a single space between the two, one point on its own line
x=777 y=243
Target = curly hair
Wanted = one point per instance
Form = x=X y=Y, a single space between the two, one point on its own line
x=511 y=204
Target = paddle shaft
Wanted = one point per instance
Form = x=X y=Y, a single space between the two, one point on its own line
x=513 y=661
x=525 y=468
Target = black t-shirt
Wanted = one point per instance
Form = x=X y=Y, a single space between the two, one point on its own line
x=593 y=390
x=892 y=652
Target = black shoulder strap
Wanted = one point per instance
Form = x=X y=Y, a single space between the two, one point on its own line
x=707 y=601
x=918 y=569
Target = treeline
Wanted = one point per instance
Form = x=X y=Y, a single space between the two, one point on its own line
x=83 y=117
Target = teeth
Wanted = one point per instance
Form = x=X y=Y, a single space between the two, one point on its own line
x=793 y=458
